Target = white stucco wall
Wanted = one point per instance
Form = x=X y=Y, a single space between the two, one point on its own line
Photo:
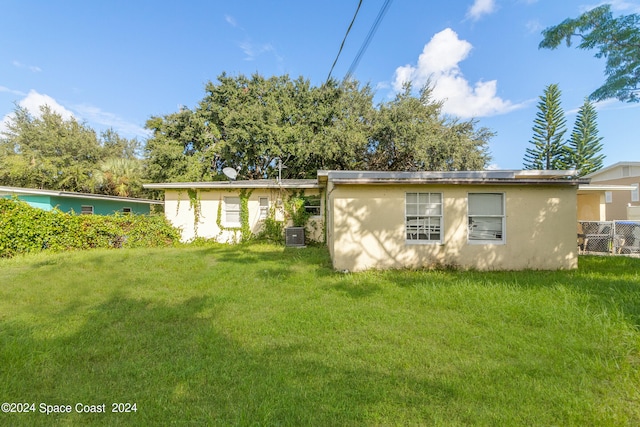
x=181 y=212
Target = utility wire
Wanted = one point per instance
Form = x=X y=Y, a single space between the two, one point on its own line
x=344 y=39
x=365 y=44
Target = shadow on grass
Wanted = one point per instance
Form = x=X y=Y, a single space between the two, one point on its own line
x=178 y=365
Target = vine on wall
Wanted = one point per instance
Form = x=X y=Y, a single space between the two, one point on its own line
x=196 y=206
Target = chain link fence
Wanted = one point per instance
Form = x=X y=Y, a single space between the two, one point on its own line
x=612 y=237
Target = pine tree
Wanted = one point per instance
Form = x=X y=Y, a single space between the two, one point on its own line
x=548 y=130
x=584 y=145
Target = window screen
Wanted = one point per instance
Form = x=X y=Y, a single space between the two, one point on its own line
x=423 y=219
x=232 y=210
x=486 y=216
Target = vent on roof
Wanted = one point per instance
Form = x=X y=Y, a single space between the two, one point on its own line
x=294 y=236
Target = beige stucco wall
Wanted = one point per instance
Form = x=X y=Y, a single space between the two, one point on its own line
x=180 y=212
x=591 y=206
x=367 y=230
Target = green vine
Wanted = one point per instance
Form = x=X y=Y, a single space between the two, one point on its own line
x=294 y=207
x=194 y=202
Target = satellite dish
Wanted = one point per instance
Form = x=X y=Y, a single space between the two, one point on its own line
x=230 y=173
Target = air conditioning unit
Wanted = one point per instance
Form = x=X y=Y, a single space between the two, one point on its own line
x=294 y=236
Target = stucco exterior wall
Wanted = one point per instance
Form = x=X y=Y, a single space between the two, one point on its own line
x=367 y=229
x=181 y=212
x=591 y=207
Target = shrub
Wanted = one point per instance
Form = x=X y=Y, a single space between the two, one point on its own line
x=25 y=229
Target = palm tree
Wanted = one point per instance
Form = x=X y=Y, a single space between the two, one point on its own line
x=119 y=177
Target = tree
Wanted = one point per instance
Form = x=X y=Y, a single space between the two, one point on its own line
x=616 y=39
x=548 y=132
x=48 y=151
x=410 y=134
x=584 y=145
x=115 y=146
x=253 y=123
x=119 y=177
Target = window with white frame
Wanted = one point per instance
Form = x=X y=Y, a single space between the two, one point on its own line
x=608 y=196
x=312 y=204
x=86 y=210
x=423 y=217
x=635 y=195
x=264 y=207
x=232 y=211
x=486 y=217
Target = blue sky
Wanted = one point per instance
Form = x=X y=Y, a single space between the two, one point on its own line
x=116 y=63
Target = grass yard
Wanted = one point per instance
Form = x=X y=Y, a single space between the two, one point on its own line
x=261 y=335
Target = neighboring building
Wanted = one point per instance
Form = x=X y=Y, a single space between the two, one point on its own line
x=592 y=200
x=213 y=210
x=487 y=220
x=79 y=203
x=620 y=205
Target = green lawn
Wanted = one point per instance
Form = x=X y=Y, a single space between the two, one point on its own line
x=261 y=335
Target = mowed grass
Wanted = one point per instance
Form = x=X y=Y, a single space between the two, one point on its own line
x=265 y=335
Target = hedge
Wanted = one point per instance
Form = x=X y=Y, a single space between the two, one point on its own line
x=25 y=229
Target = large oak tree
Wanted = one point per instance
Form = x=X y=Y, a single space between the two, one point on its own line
x=253 y=124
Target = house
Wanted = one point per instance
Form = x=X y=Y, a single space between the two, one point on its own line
x=80 y=203
x=485 y=220
x=620 y=205
x=228 y=210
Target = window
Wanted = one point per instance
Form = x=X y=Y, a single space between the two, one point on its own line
x=635 y=196
x=312 y=205
x=423 y=212
x=486 y=217
x=232 y=211
x=126 y=210
x=264 y=208
x=86 y=210
x=608 y=196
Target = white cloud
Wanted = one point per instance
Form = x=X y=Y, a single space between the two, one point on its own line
x=35 y=100
x=33 y=68
x=92 y=115
x=252 y=51
x=32 y=103
x=534 y=26
x=13 y=91
x=231 y=20
x=481 y=8
x=95 y=115
x=438 y=65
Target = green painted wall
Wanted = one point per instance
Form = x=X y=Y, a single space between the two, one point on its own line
x=68 y=204
x=41 y=202
x=100 y=207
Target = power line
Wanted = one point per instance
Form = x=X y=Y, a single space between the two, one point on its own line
x=365 y=44
x=344 y=39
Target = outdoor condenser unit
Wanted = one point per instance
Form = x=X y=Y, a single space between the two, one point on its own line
x=294 y=236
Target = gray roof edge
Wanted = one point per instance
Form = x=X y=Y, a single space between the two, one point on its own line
x=257 y=183
x=450 y=175
x=610 y=167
